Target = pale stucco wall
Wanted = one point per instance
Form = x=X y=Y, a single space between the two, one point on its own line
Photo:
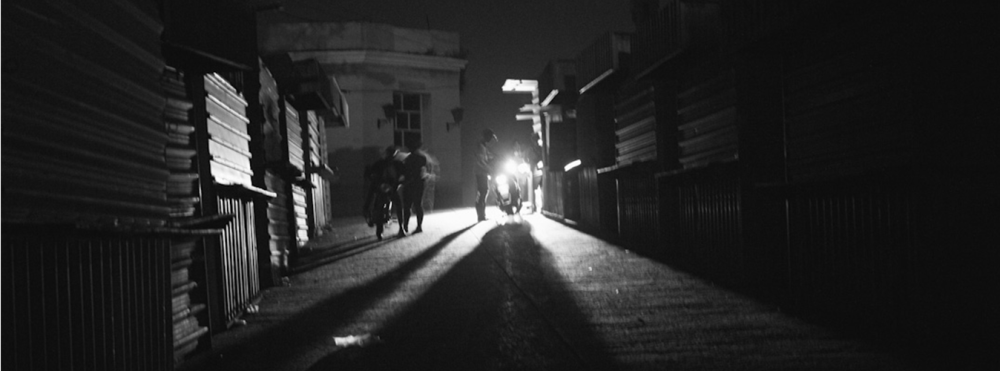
x=357 y=36
x=370 y=62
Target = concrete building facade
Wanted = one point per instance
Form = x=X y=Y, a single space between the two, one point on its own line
x=399 y=83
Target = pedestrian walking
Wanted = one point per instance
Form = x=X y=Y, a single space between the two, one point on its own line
x=415 y=174
x=484 y=167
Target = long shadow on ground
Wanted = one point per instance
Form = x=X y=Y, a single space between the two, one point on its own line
x=312 y=260
x=276 y=347
x=501 y=307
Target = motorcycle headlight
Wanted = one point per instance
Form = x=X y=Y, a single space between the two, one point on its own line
x=510 y=167
x=501 y=180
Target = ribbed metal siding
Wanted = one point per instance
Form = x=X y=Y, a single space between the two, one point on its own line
x=848 y=109
x=638 y=212
x=300 y=207
x=709 y=224
x=657 y=33
x=229 y=149
x=852 y=248
x=590 y=209
x=635 y=115
x=278 y=215
x=744 y=22
x=707 y=114
x=553 y=196
x=571 y=195
x=240 y=276
x=229 y=140
x=84 y=303
x=83 y=141
x=293 y=134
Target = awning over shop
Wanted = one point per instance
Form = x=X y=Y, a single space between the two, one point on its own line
x=325 y=172
x=304 y=83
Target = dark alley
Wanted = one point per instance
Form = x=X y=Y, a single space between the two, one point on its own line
x=193 y=185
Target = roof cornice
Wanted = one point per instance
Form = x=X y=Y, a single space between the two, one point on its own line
x=381 y=58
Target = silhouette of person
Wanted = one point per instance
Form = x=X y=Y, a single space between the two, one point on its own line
x=415 y=174
x=384 y=176
x=483 y=169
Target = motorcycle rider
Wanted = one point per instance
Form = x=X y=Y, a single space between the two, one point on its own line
x=384 y=176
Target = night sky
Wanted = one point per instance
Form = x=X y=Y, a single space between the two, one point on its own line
x=504 y=39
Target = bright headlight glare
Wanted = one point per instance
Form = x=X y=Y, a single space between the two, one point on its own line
x=523 y=168
x=510 y=166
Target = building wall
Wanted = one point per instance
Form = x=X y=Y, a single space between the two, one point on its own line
x=370 y=62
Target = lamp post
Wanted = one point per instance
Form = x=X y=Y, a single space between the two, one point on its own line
x=531 y=112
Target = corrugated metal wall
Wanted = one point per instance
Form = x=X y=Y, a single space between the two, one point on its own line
x=83 y=141
x=707 y=117
x=300 y=207
x=229 y=152
x=658 y=32
x=635 y=115
x=319 y=208
x=278 y=211
x=852 y=249
x=590 y=202
x=86 y=302
x=238 y=258
x=297 y=159
x=553 y=193
x=229 y=139
x=638 y=210
x=848 y=108
x=85 y=145
x=709 y=220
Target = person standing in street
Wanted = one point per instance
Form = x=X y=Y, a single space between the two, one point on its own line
x=484 y=167
x=415 y=174
x=384 y=176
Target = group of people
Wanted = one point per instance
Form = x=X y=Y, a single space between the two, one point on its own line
x=391 y=174
x=411 y=174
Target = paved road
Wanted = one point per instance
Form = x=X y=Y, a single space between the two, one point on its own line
x=524 y=294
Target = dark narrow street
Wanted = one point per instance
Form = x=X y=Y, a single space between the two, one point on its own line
x=196 y=185
x=525 y=294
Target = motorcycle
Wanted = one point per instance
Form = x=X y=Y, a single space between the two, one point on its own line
x=380 y=211
x=508 y=193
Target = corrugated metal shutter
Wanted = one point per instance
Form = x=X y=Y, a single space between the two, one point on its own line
x=229 y=141
x=293 y=133
x=707 y=117
x=278 y=213
x=635 y=115
x=317 y=200
x=301 y=215
x=846 y=110
x=228 y=144
x=83 y=135
x=277 y=207
x=86 y=302
x=590 y=210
